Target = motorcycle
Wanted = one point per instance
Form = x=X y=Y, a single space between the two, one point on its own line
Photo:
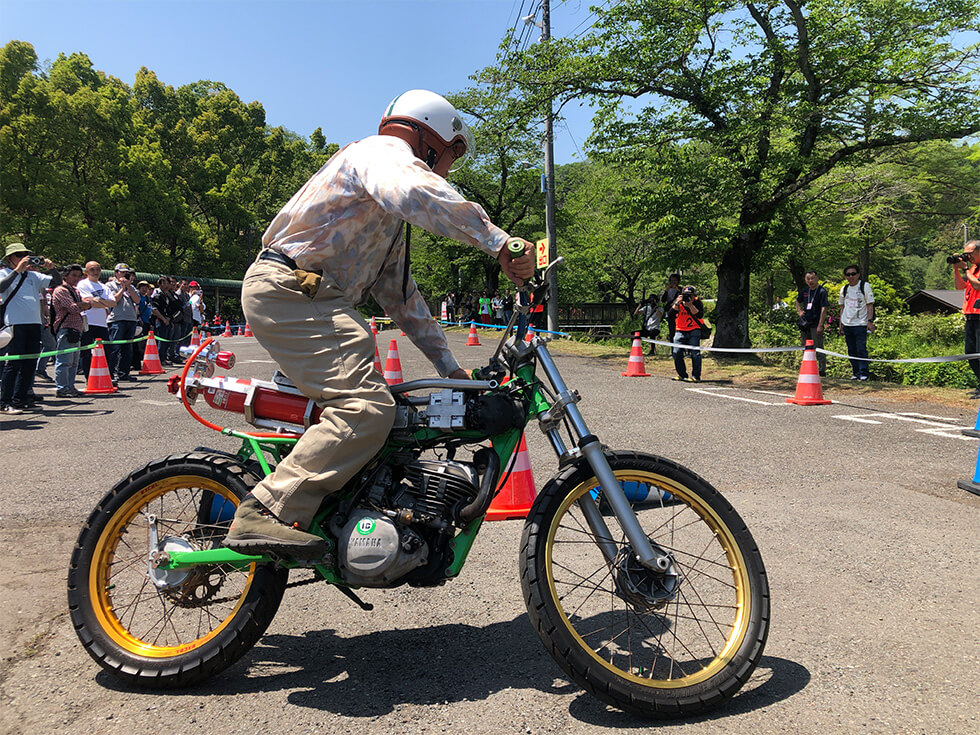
x=640 y=579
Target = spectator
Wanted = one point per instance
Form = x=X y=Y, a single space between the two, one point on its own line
x=450 y=306
x=652 y=313
x=166 y=308
x=185 y=320
x=91 y=288
x=122 y=322
x=688 y=312
x=812 y=304
x=857 y=318
x=497 y=304
x=970 y=268
x=196 y=303
x=667 y=299
x=20 y=289
x=48 y=342
x=484 y=302
x=144 y=312
x=508 y=308
x=67 y=306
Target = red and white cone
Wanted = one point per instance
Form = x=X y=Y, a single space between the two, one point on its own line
x=248 y=331
x=393 y=366
x=227 y=332
x=151 y=358
x=377 y=359
x=808 y=390
x=474 y=339
x=99 y=380
x=530 y=333
x=445 y=312
x=635 y=368
x=195 y=338
x=374 y=326
x=517 y=495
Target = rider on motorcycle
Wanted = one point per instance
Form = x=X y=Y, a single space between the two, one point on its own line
x=339 y=239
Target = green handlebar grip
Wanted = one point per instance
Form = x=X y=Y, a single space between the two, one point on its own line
x=515 y=247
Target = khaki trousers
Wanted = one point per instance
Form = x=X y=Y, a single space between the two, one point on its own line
x=324 y=346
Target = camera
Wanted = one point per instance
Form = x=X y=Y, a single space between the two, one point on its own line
x=958 y=258
x=687 y=297
x=35 y=260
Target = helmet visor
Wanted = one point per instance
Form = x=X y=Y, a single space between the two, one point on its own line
x=463 y=146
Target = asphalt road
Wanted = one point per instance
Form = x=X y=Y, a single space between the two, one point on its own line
x=868 y=543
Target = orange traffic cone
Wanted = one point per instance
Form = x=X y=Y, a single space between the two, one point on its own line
x=635 y=368
x=445 y=312
x=99 y=380
x=474 y=339
x=530 y=333
x=516 y=496
x=227 y=332
x=241 y=332
x=393 y=366
x=377 y=359
x=248 y=330
x=151 y=358
x=195 y=338
x=374 y=327
x=808 y=390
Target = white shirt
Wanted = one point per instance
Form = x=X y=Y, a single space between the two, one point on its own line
x=197 y=308
x=25 y=306
x=347 y=221
x=97 y=316
x=854 y=311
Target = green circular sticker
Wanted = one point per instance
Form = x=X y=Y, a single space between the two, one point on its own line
x=365 y=526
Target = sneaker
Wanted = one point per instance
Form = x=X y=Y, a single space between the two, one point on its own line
x=35 y=399
x=854 y=377
x=11 y=410
x=864 y=377
x=66 y=393
x=255 y=530
x=694 y=380
x=127 y=379
x=678 y=377
x=43 y=377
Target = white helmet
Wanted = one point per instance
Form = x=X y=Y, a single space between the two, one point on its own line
x=431 y=125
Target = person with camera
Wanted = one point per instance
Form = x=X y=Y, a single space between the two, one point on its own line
x=122 y=321
x=812 y=304
x=688 y=313
x=67 y=305
x=857 y=320
x=667 y=299
x=968 y=263
x=21 y=286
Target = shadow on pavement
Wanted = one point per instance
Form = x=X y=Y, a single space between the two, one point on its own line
x=372 y=674
x=774 y=680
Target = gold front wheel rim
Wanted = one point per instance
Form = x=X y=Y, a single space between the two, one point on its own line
x=135 y=615
x=711 y=606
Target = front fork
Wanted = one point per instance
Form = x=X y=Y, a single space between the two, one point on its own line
x=646 y=553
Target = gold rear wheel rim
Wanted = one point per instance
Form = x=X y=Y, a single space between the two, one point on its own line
x=133 y=613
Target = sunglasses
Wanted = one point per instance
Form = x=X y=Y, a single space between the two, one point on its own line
x=850 y=273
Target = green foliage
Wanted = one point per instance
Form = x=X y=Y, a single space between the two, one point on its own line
x=171 y=180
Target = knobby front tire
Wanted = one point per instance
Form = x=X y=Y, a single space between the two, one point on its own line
x=647 y=644
x=205 y=618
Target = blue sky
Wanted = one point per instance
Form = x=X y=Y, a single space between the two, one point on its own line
x=311 y=63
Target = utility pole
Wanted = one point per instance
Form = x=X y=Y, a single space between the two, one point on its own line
x=549 y=178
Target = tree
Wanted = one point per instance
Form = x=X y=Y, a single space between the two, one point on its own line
x=777 y=94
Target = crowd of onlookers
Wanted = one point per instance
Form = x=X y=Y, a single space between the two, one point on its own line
x=65 y=310
x=484 y=307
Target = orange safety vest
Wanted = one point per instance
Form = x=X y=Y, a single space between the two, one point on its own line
x=971 y=295
x=685 y=322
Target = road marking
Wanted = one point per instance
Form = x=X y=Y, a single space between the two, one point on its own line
x=269 y=361
x=771 y=393
x=859 y=419
x=161 y=403
x=732 y=398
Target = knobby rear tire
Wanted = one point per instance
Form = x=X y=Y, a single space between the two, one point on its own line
x=679 y=656
x=199 y=626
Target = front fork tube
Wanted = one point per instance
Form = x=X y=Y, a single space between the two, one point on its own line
x=591 y=449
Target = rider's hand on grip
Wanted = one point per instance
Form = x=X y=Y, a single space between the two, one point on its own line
x=518 y=269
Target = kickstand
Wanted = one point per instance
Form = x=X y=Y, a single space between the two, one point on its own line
x=357 y=600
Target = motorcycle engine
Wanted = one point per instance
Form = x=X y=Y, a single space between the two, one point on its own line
x=407 y=523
